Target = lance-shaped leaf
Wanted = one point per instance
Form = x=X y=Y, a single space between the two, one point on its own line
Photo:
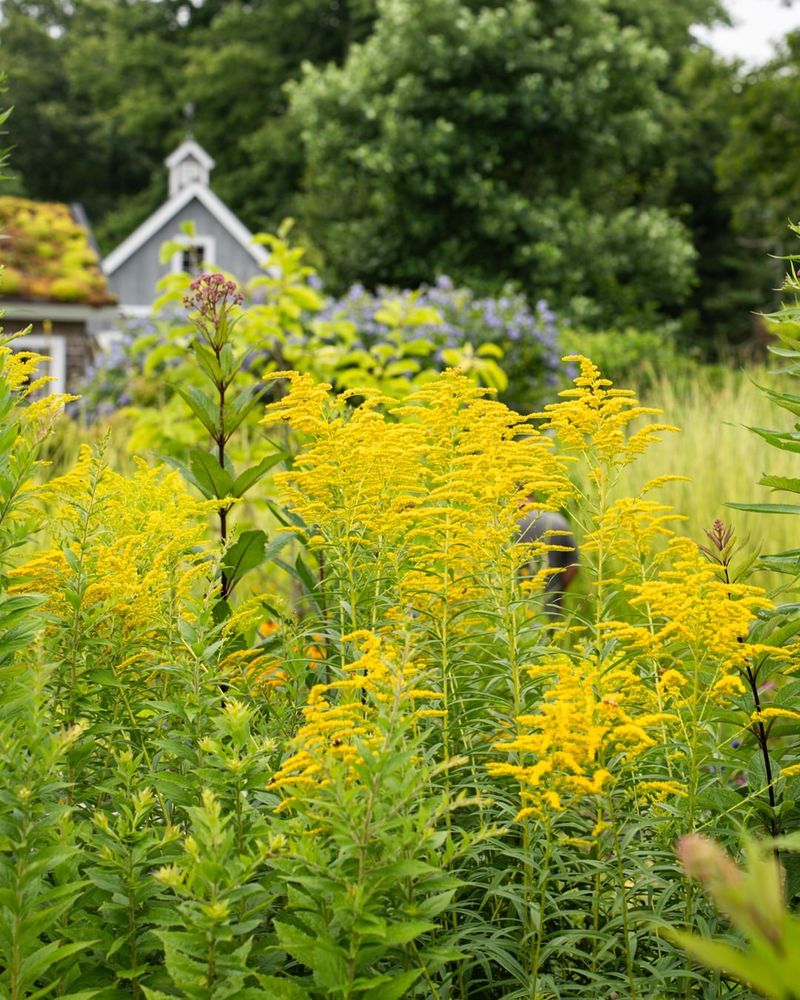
x=783 y=562
x=245 y=554
x=247 y=479
x=202 y=407
x=788 y=400
x=209 y=477
x=239 y=409
x=207 y=361
x=277 y=543
x=767 y=508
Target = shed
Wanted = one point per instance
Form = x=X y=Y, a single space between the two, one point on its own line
x=52 y=282
x=220 y=240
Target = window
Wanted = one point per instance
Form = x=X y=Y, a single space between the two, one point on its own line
x=195 y=256
x=54 y=347
x=192 y=260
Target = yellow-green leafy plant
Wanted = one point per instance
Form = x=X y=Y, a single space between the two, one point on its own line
x=753 y=899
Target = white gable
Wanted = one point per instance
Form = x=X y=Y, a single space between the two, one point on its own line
x=169 y=211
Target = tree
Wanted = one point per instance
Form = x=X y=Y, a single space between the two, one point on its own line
x=735 y=277
x=758 y=165
x=235 y=75
x=102 y=86
x=502 y=141
x=93 y=84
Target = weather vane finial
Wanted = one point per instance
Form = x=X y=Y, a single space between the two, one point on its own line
x=188 y=114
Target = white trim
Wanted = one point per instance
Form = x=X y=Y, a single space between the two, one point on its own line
x=136 y=312
x=189 y=147
x=54 y=346
x=17 y=310
x=162 y=216
x=208 y=243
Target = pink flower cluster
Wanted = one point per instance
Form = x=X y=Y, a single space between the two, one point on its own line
x=212 y=294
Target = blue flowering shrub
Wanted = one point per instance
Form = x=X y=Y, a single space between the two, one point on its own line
x=392 y=340
x=501 y=341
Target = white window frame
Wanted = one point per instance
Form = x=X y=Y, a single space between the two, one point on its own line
x=53 y=346
x=208 y=243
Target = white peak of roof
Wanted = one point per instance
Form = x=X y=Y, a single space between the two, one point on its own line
x=189 y=164
x=189 y=148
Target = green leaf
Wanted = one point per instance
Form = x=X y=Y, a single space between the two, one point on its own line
x=212 y=480
x=276 y=544
x=781 y=483
x=247 y=479
x=304 y=574
x=298 y=944
x=239 y=409
x=281 y=989
x=782 y=562
x=396 y=988
x=245 y=554
x=207 y=361
x=202 y=406
x=419 y=347
x=749 y=968
x=787 y=400
x=407 y=931
x=490 y=350
x=767 y=508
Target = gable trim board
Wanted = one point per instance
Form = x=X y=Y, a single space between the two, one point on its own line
x=189 y=148
x=164 y=215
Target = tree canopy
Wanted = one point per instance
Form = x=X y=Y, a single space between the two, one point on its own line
x=498 y=141
x=588 y=151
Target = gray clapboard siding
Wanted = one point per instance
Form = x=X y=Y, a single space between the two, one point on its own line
x=134 y=281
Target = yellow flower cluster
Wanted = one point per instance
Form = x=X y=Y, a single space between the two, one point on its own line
x=594 y=419
x=426 y=491
x=482 y=464
x=137 y=544
x=344 y=716
x=357 y=475
x=18 y=371
x=690 y=615
x=627 y=530
x=592 y=721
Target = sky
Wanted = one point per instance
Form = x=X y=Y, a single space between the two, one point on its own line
x=757 y=25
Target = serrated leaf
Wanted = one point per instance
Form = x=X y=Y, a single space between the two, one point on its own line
x=408 y=930
x=398 y=987
x=781 y=483
x=281 y=989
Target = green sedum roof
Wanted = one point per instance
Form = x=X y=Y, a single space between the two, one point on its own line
x=46 y=255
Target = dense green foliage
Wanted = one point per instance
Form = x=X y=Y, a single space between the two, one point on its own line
x=379 y=772
x=528 y=156
x=604 y=167
x=100 y=89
